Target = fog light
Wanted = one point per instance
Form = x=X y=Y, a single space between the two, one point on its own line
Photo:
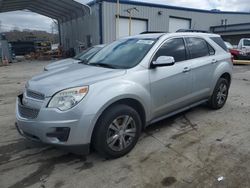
x=61 y=133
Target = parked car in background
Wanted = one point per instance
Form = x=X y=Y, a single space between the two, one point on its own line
x=244 y=44
x=238 y=54
x=83 y=56
x=229 y=45
x=234 y=52
x=108 y=100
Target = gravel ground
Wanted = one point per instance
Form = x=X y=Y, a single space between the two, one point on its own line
x=198 y=148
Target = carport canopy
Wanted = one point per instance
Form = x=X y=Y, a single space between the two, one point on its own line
x=61 y=10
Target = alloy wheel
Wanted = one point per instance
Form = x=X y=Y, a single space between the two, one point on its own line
x=222 y=94
x=121 y=133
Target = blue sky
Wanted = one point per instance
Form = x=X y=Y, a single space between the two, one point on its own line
x=29 y=20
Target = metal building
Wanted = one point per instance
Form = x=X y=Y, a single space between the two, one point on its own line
x=154 y=17
x=98 y=22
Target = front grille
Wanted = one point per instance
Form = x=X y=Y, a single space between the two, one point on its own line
x=35 y=95
x=28 y=113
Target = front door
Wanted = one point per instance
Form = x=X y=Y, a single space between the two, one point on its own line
x=171 y=86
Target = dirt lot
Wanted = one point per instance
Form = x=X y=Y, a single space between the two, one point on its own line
x=199 y=148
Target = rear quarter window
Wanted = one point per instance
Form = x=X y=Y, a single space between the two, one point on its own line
x=220 y=42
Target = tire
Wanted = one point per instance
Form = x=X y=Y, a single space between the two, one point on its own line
x=220 y=94
x=117 y=131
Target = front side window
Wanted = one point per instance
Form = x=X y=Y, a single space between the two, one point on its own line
x=173 y=47
x=197 y=47
x=123 y=54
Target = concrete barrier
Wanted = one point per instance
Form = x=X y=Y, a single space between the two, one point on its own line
x=241 y=62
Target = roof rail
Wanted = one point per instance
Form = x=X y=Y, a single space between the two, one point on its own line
x=151 y=32
x=192 y=30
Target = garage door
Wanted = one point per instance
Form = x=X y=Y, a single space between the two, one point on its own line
x=137 y=26
x=178 y=23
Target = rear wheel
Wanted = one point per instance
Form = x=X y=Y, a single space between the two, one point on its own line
x=117 y=131
x=220 y=94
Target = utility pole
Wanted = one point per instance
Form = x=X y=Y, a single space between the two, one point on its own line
x=117 y=18
x=0 y=26
x=129 y=11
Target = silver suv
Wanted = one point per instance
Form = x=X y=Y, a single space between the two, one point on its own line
x=133 y=82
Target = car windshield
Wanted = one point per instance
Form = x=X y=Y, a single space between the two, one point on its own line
x=123 y=54
x=246 y=42
x=86 y=54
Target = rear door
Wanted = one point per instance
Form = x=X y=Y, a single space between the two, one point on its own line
x=202 y=57
x=171 y=86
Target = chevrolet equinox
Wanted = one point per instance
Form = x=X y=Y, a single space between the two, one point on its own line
x=131 y=83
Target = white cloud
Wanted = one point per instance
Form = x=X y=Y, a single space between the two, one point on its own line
x=201 y=4
x=223 y=5
x=231 y=5
x=24 y=20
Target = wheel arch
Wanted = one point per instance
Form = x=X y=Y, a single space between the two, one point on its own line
x=134 y=103
x=226 y=76
x=222 y=70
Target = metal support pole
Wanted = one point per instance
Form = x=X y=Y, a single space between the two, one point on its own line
x=130 y=24
x=117 y=18
x=129 y=11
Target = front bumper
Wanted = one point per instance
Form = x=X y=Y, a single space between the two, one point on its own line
x=81 y=149
x=244 y=57
x=69 y=130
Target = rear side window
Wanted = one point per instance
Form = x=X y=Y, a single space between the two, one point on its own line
x=197 y=47
x=173 y=47
x=220 y=42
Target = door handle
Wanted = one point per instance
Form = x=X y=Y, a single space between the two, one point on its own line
x=214 y=61
x=186 y=69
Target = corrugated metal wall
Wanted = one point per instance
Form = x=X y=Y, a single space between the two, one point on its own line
x=75 y=32
x=156 y=22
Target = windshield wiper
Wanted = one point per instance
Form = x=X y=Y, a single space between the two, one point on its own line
x=85 y=61
x=103 y=65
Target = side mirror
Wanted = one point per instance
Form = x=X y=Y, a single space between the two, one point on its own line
x=163 y=61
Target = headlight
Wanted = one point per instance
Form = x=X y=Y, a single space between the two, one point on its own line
x=68 y=98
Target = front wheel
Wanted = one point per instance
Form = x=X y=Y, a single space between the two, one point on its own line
x=117 y=131
x=220 y=94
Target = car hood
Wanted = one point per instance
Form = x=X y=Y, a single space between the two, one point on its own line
x=61 y=63
x=50 y=82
